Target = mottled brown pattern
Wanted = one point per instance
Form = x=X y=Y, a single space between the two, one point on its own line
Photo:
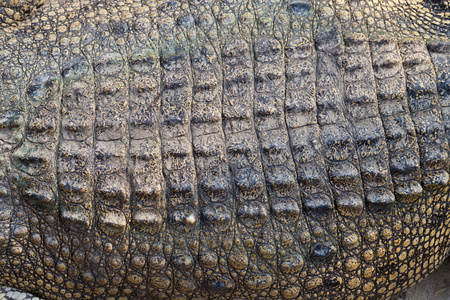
x=237 y=149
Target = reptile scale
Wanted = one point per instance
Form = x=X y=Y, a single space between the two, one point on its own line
x=223 y=149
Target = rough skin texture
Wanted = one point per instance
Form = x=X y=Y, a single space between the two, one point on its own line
x=13 y=12
x=235 y=149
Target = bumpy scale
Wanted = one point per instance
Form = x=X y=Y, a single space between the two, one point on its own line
x=241 y=149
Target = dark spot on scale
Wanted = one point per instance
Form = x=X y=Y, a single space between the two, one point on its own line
x=120 y=28
x=300 y=6
x=186 y=21
x=323 y=252
x=437 y=218
x=387 y=268
x=438 y=5
x=219 y=284
x=332 y=282
x=85 y=9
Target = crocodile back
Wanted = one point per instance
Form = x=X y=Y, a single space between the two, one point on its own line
x=224 y=149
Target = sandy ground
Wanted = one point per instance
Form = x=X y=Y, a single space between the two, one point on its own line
x=434 y=287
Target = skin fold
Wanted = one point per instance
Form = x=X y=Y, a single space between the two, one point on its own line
x=235 y=149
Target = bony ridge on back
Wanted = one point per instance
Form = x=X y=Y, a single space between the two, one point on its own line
x=223 y=149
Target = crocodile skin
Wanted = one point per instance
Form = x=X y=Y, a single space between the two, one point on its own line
x=186 y=149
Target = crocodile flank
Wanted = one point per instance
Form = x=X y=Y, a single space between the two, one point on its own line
x=232 y=149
